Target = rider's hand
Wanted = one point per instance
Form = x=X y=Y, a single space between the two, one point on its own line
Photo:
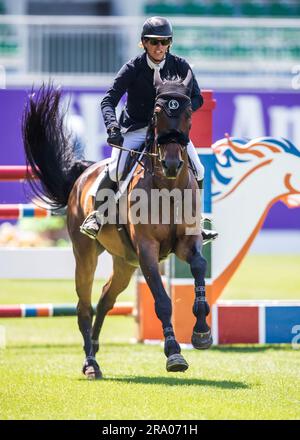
x=114 y=136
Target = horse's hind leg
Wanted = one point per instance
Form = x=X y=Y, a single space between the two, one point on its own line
x=86 y=255
x=118 y=281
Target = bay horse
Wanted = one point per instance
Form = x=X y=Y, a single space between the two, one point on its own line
x=65 y=180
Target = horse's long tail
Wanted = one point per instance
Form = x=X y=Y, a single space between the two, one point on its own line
x=48 y=148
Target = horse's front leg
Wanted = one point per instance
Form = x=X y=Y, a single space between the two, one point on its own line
x=148 y=257
x=190 y=251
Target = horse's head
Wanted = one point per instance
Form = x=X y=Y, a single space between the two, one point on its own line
x=172 y=122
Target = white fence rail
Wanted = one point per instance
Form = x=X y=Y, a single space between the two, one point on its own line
x=45 y=263
x=223 y=51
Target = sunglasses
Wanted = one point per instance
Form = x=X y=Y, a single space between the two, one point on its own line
x=155 y=41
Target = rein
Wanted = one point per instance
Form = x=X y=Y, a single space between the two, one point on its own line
x=145 y=153
x=133 y=152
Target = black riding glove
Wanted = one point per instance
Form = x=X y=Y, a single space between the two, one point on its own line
x=114 y=136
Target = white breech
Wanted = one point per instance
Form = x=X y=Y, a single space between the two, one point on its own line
x=134 y=140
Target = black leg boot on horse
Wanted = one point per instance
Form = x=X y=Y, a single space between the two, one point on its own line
x=94 y=221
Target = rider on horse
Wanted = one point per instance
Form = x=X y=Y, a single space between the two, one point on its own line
x=136 y=78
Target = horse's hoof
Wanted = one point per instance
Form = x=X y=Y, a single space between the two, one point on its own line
x=176 y=362
x=92 y=370
x=202 y=341
x=92 y=374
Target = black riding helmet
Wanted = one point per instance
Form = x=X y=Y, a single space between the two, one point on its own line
x=157 y=27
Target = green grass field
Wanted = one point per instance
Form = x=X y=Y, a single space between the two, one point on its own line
x=40 y=369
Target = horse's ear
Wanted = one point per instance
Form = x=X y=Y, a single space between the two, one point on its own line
x=187 y=79
x=157 y=81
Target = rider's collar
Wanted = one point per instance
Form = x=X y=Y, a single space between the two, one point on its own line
x=153 y=65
